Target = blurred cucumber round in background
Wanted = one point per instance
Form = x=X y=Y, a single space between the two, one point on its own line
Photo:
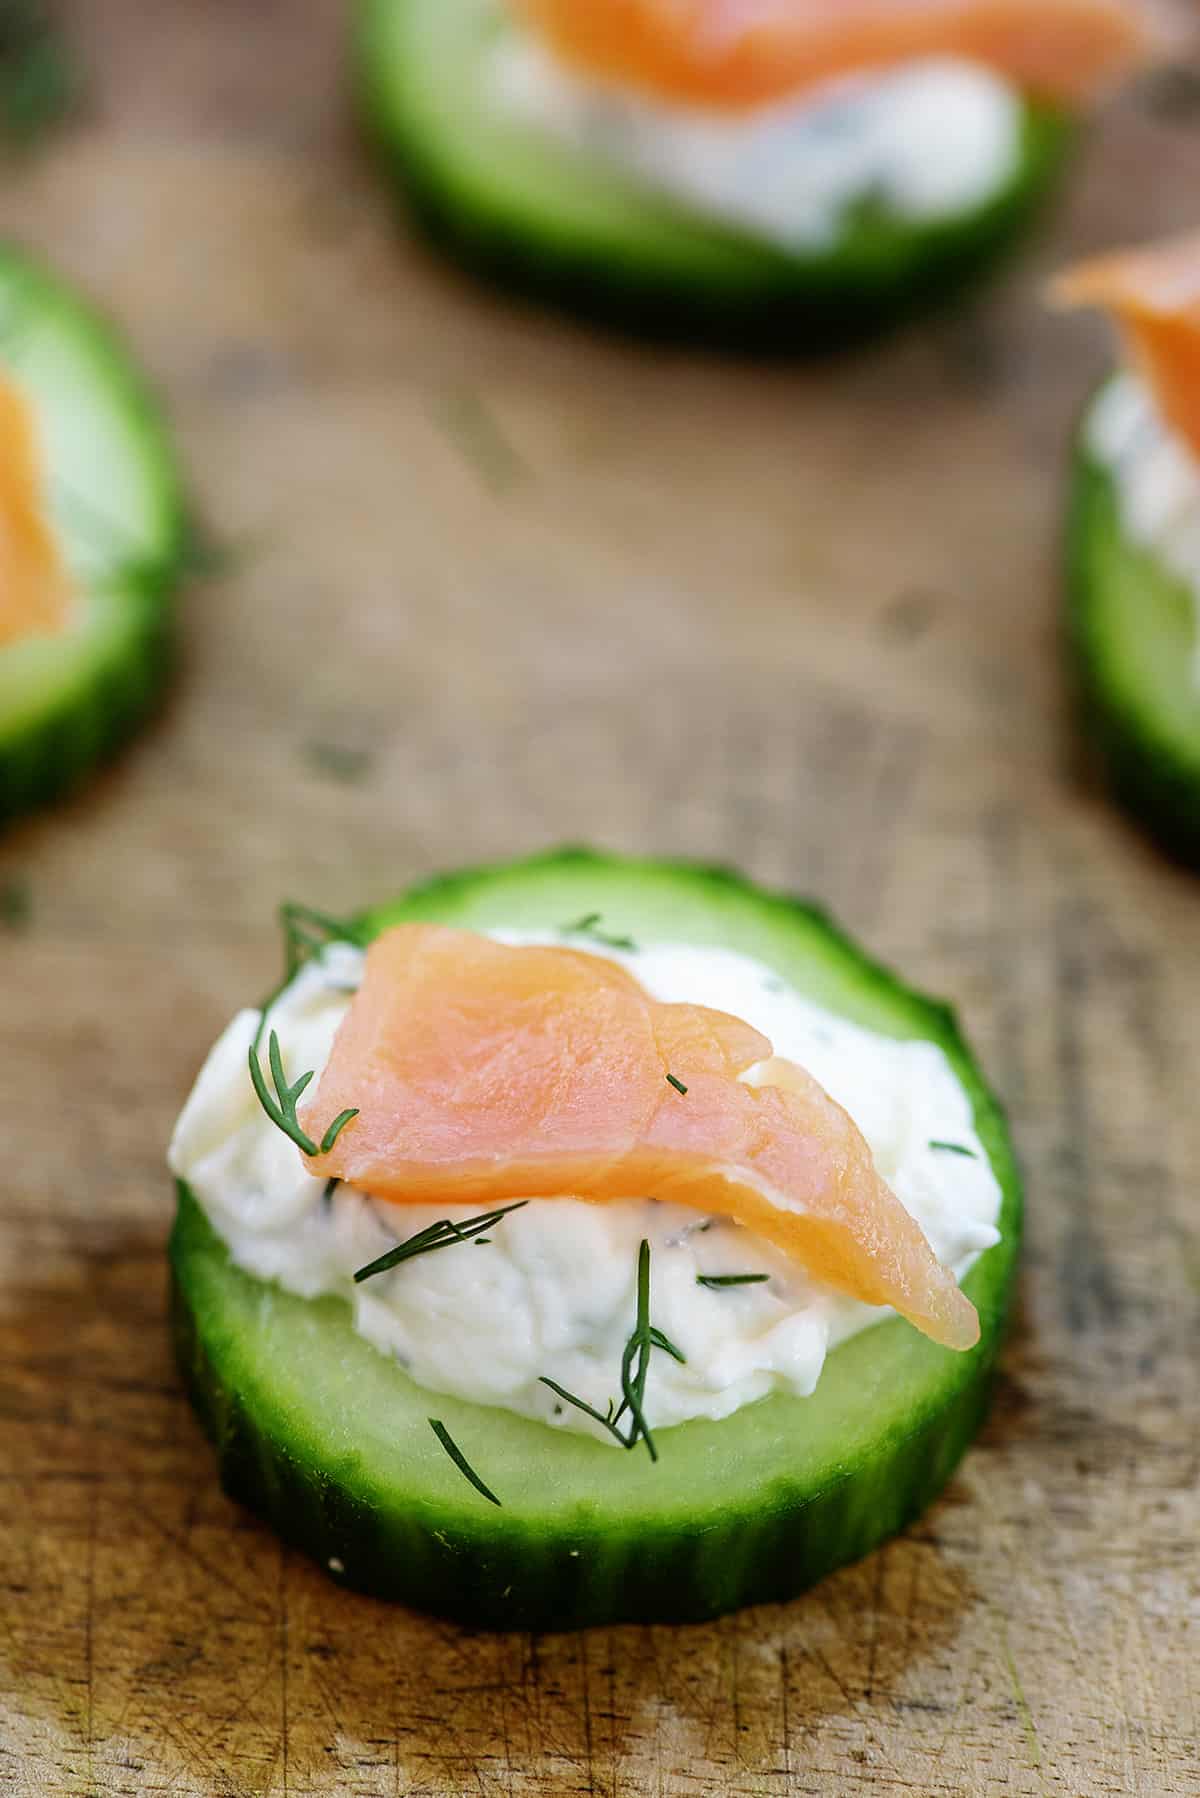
x=510 y=181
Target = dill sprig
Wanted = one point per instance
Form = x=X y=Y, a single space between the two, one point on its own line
x=39 y=81
x=717 y=1280
x=635 y=1362
x=955 y=1148
x=587 y=926
x=306 y=932
x=460 y=1460
x=16 y=903
x=677 y=1084
x=635 y=1365
x=435 y=1236
x=282 y=1108
x=605 y=1420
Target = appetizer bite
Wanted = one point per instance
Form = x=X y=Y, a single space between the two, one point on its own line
x=800 y=169
x=91 y=537
x=589 y=1239
x=1133 y=542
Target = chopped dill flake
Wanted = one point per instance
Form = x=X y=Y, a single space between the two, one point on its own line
x=338 y=761
x=39 y=81
x=717 y=1280
x=460 y=1460
x=206 y=557
x=677 y=1084
x=435 y=1236
x=282 y=1108
x=16 y=903
x=588 y=925
x=477 y=435
x=331 y=1187
x=955 y=1148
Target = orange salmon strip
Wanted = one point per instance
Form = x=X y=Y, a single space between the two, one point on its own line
x=1154 y=294
x=740 y=53
x=483 y=1073
x=34 y=590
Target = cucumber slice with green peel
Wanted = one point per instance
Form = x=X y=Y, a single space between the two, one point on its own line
x=1132 y=635
x=330 y=1441
x=116 y=505
x=576 y=231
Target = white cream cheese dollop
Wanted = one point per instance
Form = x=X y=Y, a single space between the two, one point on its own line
x=552 y=1291
x=925 y=140
x=1156 y=477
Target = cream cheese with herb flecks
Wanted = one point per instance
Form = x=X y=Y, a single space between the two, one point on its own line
x=550 y=1289
x=921 y=141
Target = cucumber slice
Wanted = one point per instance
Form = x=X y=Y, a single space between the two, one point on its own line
x=65 y=702
x=1132 y=639
x=329 y=1440
x=572 y=230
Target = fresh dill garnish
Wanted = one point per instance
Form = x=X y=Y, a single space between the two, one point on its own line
x=16 y=903
x=479 y=439
x=677 y=1084
x=635 y=1362
x=339 y=761
x=306 y=931
x=282 y=1109
x=731 y=1279
x=643 y=1338
x=588 y=1410
x=39 y=82
x=204 y=556
x=955 y=1148
x=331 y=1187
x=435 y=1236
x=460 y=1460
x=587 y=926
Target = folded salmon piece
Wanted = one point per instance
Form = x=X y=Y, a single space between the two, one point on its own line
x=35 y=592
x=483 y=1073
x=1154 y=294
x=740 y=53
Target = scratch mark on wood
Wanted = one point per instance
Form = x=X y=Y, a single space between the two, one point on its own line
x=1026 y=1715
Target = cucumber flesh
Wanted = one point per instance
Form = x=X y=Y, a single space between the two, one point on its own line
x=115 y=501
x=1132 y=639
x=566 y=227
x=329 y=1440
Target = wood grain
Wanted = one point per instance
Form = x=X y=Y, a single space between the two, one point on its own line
x=496 y=583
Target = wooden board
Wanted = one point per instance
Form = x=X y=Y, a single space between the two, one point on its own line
x=496 y=583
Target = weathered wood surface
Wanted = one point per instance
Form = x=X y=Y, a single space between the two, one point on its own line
x=499 y=583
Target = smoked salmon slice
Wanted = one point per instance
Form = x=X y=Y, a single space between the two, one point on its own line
x=34 y=590
x=1154 y=294
x=483 y=1072
x=741 y=53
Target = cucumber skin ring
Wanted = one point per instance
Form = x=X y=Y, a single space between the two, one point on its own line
x=1155 y=777
x=774 y=303
x=85 y=725
x=576 y=1567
